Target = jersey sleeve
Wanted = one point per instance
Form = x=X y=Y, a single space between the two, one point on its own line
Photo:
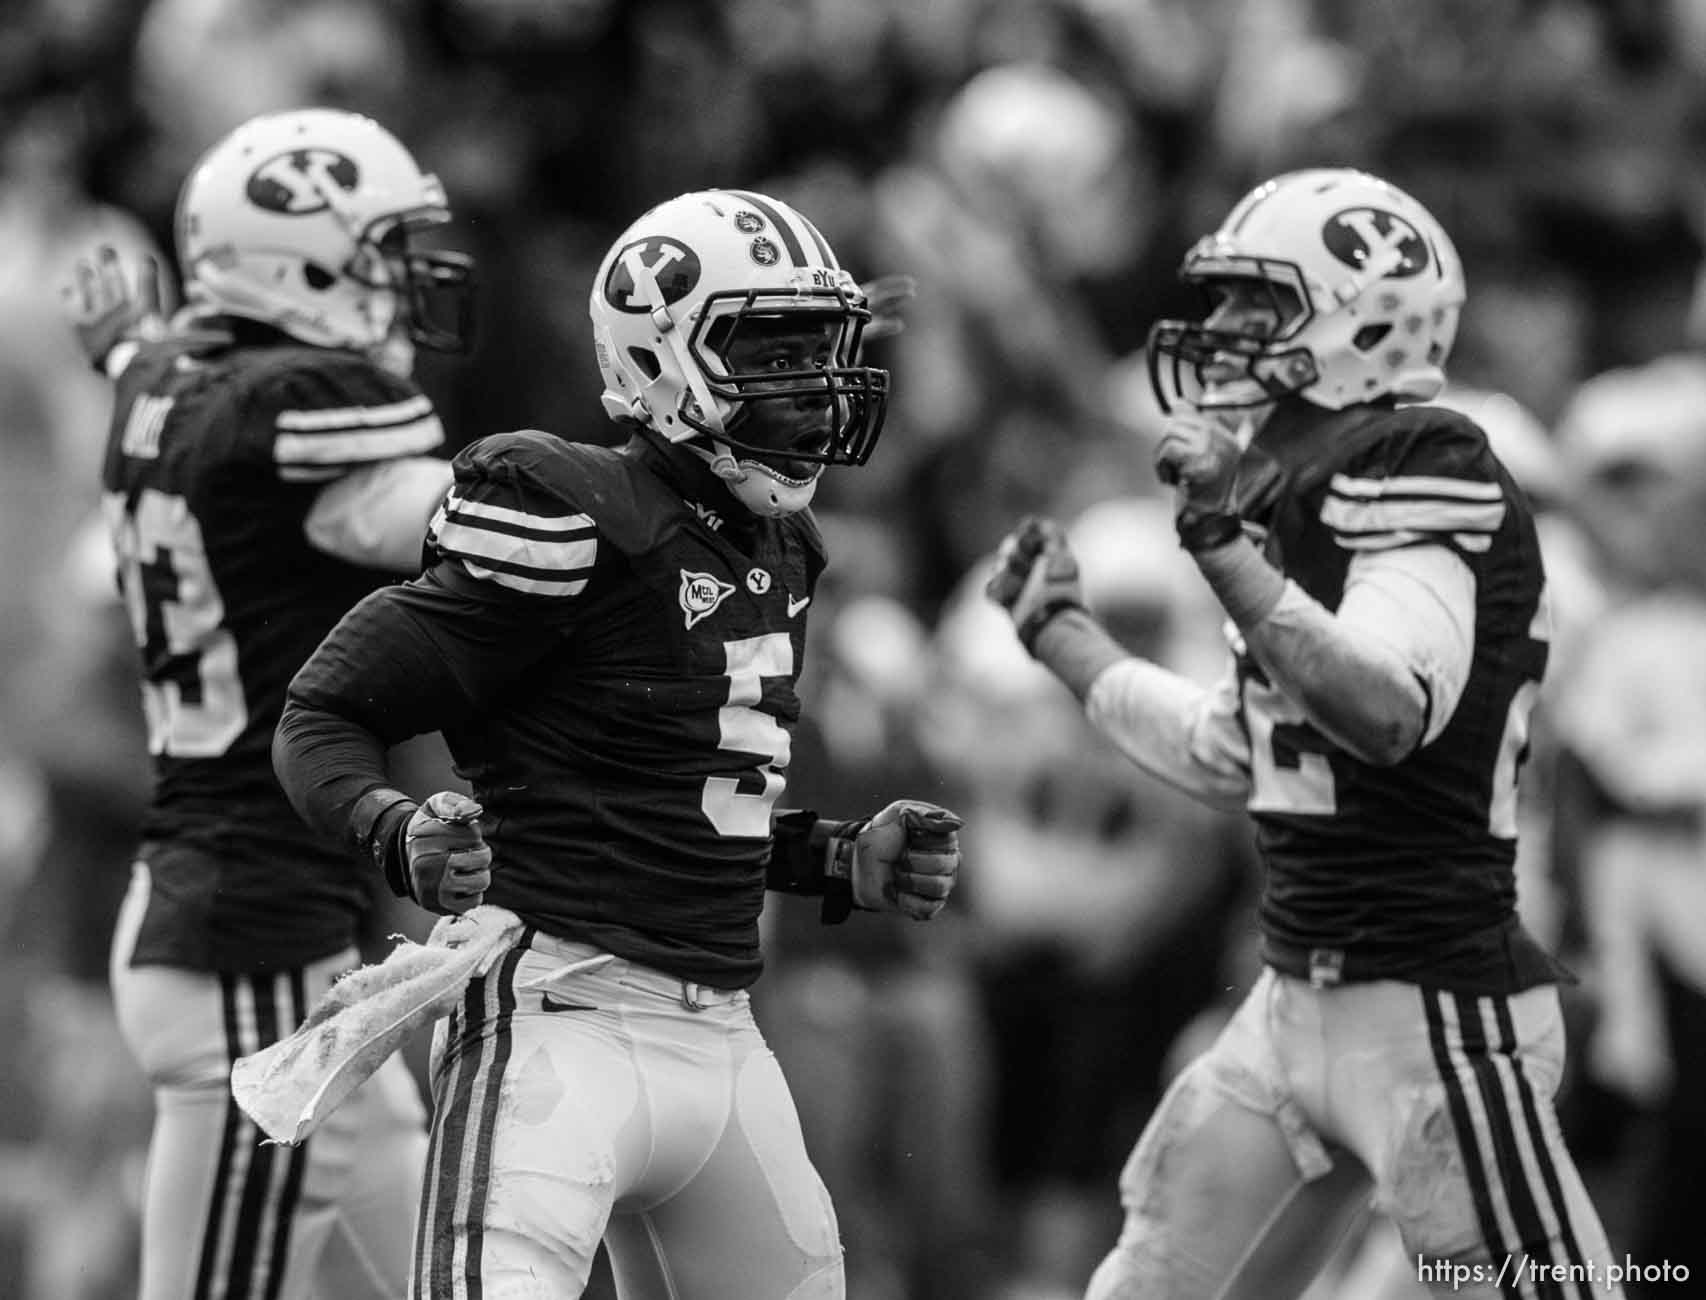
x=340 y=412
x=514 y=518
x=1433 y=480
x=427 y=655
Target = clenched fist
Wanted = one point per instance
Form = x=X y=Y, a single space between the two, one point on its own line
x=906 y=859
x=1036 y=577
x=449 y=861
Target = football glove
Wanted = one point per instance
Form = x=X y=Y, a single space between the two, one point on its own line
x=1035 y=578
x=110 y=303
x=449 y=862
x=1198 y=458
x=905 y=859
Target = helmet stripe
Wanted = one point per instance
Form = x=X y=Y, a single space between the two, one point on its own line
x=790 y=239
x=823 y=250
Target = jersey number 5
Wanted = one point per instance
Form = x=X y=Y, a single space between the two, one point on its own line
x=743 y=728
x=191 y=693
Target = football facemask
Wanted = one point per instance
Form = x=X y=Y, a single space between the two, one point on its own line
x=679 y=298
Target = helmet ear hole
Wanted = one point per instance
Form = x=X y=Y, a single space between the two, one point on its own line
x=1368 y=337
x=646 y=361
x=318 y=277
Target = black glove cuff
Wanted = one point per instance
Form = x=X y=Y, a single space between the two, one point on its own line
x=376 y=825
x=1207 y=532
x=1040 y=618
x=836 y=841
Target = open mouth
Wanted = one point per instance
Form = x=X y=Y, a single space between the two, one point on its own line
x=791 y=473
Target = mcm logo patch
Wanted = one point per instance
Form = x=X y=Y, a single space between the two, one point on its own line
x=650 y=273
x=301 y=182
x=701 y=593
x=1361 y=236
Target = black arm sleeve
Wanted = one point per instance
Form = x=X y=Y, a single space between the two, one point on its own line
x=405 y=661
x=804 y=860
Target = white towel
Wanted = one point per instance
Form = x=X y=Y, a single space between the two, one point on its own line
x=290 y=1087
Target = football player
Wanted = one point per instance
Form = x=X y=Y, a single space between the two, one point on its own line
x=1388 y=620
x=267 y=466
x=609 y=639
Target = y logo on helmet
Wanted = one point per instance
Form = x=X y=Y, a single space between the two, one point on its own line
x=301 y=182
x=1362 y=237
x=651 y=273
x=701 y=593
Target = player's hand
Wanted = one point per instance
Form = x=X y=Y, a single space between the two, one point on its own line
x=906 y=859
x=1036 y=577
x=885 y=296
x=450 y=863
x=113 y=301
x=1198 y=457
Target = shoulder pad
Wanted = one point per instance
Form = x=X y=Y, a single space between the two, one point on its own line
x=545 y=474
x=532 y=512
x=1421 y=473
x=331 y=411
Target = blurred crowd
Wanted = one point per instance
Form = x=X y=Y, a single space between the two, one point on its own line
x=1039 y=167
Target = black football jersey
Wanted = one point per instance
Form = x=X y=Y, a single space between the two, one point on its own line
x=626 y=658
x=1404 y=871
x=212 y=463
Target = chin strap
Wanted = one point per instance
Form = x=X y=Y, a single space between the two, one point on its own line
x=750 y=483
x=723 y=463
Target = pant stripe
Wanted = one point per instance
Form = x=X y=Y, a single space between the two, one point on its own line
x=296 y=1157
x=212 y=1231
x=1543 y=1154
x=426 y=1217
x=1531 y=1234
x=257 y=1188
x=449 y=1137
x=1457 y=1100
x=502 y=994
x=466 y=1111
x=245 y=1240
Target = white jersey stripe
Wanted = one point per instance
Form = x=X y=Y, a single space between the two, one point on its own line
x=1344 y=515
x=467 y=509
x=565 y=559
x=1475 y=543
x=520 y=582
x=358 y=446
x=352 y=417
x=312 y=473
x=1417 y=485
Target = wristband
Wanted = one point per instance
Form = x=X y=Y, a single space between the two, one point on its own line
x=839 y=848
x=1206 y=532
x=1040 y=618
x=376 y=821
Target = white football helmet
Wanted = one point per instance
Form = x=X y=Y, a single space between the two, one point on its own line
x=1368 y=284
x=676 y=289
x=301 y=220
